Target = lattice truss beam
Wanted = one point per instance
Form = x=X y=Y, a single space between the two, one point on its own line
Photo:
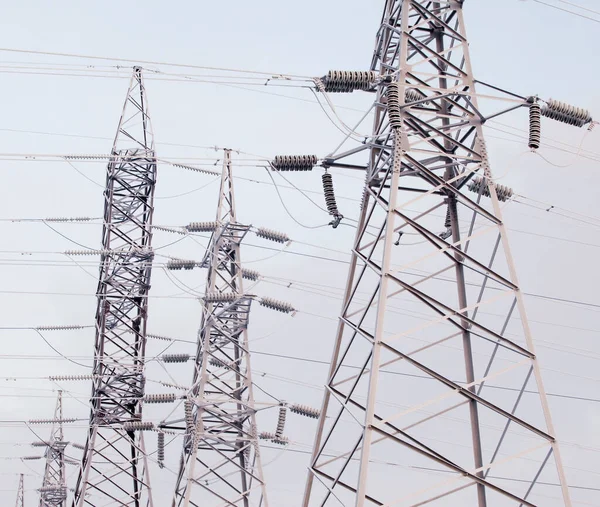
x=114 y=468
x=53 y=492
x=220 y=463
x=432 y=316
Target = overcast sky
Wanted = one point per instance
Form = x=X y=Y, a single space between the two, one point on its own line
x=523 y=46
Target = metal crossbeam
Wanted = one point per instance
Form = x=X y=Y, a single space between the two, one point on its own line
x=53 y=492
x=114 y=469
x=422 y=242
x=220 y=463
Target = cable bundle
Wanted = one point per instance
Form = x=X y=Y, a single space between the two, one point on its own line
x=345 y=81
x=294 y=162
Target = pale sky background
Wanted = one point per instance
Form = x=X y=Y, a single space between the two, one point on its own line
x=523 y=46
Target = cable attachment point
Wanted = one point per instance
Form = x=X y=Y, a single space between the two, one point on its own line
x=330 y=200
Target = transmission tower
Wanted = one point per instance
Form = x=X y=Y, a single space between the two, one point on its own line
x=20 y=493
x=53 y=492
x=220 y=463
x=114 y=467
x=433 y=353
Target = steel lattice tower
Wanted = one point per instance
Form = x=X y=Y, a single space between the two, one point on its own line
x=419 y=390
x=20 y=493
x=114 y=468
x=53 y=492
x=220 y=463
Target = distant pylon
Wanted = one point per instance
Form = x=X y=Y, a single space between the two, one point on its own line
x=220 y=463
x=429 y=323
x=114 y=468
x=20 y=493
x=53 y=492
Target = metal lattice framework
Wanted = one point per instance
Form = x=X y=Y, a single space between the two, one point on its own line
x=114 y=468
x=220 y=463
x=20 y=493
x=53 y=492
x=432 y=315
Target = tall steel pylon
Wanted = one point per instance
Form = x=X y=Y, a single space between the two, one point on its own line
x=53 y=492
x=20 y=493
x=433 y=321
x=114 y=469
x=220 y=463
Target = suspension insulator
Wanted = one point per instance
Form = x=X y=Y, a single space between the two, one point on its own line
x=220 y=297
x=71 y=461
x=412 y=95
x=278 y=237
x=159 y=337
x=281 y=421
x=330 y=201
x=479 y=185
x=78 y=446
x=535 y=126
x=393 y=97
x=160 y=398
x=69 y=219
x=175 y=358
x=345 y=81
x=181 y=264
x=87 y=252
x=313 y=413
x=70 y=377
x=31 y=458
x=52 y=421
x=174 y=386
x=58 y=328
x=218 y=363
x=40 y=444
x=161 y=447
x=138 y=426
x=250 y=274
x=566 y=113
x=294 y=162
x=201 y=226
x=52 y=489
x=274 y=304
x=169 y=229
x=266 y=435
x=196 y=169
x=189 y=416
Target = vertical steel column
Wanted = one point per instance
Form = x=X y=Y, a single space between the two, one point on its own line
x=220 y=463
x=114 y=468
